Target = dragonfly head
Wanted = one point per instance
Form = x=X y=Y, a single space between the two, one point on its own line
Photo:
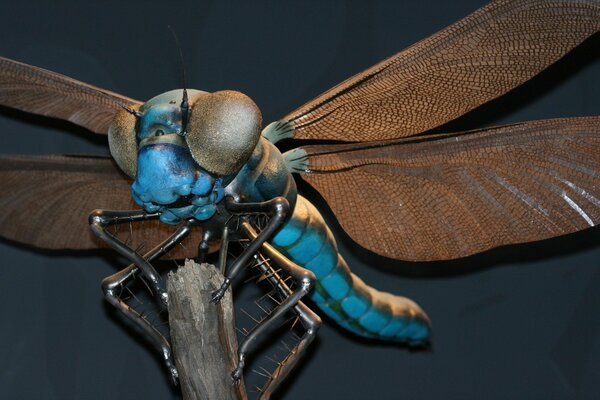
x=182 y=153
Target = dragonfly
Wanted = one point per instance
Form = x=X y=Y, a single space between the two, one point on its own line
x=404 y=143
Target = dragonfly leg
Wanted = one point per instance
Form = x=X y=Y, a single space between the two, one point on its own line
x=277 y=209
x=101 y=219
x=310 y=321
x=113 y=285
x=203 y=247
x=224 y=249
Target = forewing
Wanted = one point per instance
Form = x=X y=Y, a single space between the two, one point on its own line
x=44 y=92
x=449 y=196
x=467 y=64
x=45 y=202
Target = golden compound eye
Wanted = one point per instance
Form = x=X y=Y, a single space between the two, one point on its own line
x=223 y=129
x=122 y=142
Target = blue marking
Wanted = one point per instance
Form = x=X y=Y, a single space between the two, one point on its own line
x=306 y=249
x=355 y=305
x=324 y=262
x=375 y=319
x=338 y=318
x=394 y=327
x=289 y=234
x=337 y=284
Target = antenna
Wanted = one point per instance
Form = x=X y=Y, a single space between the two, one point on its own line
x=185 y=107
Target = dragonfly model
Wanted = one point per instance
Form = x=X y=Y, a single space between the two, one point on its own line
x=201 y=160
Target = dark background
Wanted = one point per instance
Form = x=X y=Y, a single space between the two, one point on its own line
x=519 y=323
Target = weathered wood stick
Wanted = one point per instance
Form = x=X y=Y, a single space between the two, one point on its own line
x=202 y=334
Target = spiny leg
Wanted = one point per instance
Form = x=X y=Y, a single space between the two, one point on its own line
x=311 y=323
x=114 y=284
x=309 y=320
x=277 y=209
x=100 y=219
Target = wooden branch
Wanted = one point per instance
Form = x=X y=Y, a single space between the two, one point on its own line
x=202 y=334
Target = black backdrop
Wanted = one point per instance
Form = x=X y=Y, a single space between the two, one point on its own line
x=519 y=322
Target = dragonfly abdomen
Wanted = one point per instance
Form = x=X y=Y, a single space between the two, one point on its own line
x=308 y=241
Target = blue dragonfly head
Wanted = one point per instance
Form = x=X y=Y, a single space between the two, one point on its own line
x=181 y=158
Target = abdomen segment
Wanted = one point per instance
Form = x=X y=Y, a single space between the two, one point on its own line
x=307 y=240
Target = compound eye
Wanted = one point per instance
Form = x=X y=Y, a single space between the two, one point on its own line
x=122 y=142
x=223 y=129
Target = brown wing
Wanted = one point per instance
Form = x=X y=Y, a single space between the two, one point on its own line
x=45 y=202
x=449 y=196
x=467 y=64
x=39 y=91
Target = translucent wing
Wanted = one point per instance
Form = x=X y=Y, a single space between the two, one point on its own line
x=449 y=196
x=39 y=91
x=465 y=65
x=45 y=202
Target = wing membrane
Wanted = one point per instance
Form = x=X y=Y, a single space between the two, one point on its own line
x=40 y=91
x=449 y=196
x=45 y=202
x=465 y=65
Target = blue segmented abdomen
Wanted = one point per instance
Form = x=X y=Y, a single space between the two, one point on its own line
x=307 y=240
